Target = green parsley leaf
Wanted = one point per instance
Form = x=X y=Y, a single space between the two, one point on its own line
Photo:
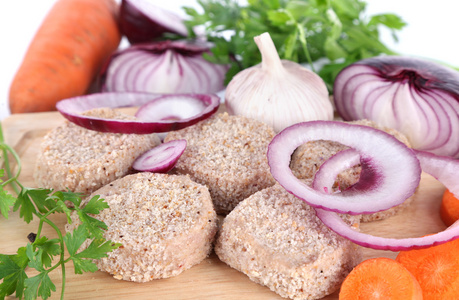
x=50 y=248
x=93 y=225
x=39 y=286
x=95 y=205
x=12 y=271
x=6 y=202
x=98 y=248
x=39 y=198
x=25 y=206
x=73 y=240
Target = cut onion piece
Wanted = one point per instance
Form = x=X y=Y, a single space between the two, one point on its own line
x=162 y=67
x=160 y=159
x=385 y=163
x=143 y=21
x=324 y=178
x=419 y=98
x=336 y=223
x=442 y=168
x=187 y=110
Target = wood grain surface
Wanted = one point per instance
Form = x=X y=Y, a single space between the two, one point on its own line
x=211 y=279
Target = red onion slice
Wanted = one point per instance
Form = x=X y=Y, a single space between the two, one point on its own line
x=171 y=112
x=143 y=21
x=385 y=163
x=160 y=159
x=335 y=223
x=326 y=175
x=442 y=168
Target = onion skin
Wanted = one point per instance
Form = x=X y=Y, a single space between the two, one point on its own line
x=416 y=97
x=139 y=27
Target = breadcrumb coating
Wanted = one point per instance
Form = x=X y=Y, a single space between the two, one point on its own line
x=228 y=154
x=81 y=160
x=277 y=240
x=165 y=223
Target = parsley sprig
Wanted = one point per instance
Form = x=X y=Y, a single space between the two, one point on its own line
x=326 y=34
x=42 y=253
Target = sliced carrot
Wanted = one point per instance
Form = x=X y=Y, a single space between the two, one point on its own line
x=66 y=53
x=449 y=209
x=380 y=278
x=435 y=268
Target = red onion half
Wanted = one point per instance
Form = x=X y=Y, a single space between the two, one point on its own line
x=187 y=110
x=160 y=159
x=443 y=168
x=385 y=162
x=143 y=21
x=163 y=67
x=416 y=97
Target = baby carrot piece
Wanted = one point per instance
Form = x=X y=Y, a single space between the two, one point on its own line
x=380 y=278
x=435 y=268
x=449 y=209
x=66 y=53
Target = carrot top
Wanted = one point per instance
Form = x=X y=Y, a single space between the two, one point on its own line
x=380 y=278
x=435 y=268
x=449 y=209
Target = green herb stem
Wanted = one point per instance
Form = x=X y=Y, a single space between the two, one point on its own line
x=62 y=247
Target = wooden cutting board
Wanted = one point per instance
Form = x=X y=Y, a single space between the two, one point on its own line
x=211 y=279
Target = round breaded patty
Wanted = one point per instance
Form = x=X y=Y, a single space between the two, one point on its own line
x=308 y=158
x=228 y=154
x=165 y=223
x=277 y=240
x=82 y=160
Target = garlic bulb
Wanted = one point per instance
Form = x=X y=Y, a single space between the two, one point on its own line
x=278 y=92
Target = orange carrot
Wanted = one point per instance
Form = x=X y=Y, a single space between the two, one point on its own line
x=67 y=51
x=435 y=268
x=449 y=209
x=380 y=278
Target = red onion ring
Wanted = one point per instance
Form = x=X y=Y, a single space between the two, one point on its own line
x=160 y=159
x=324 y=180
x=163 y=106
x=335 y=223
x=385 y=163
x=442 y=168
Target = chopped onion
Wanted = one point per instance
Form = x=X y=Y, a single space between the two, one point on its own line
x=163 y=67
x=416 y=97
x=187 y=110
x=278 y=92
x=385 y=163
x=142 y=21
x=160 y=159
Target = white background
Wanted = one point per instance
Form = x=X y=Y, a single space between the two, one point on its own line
x=432 y=31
